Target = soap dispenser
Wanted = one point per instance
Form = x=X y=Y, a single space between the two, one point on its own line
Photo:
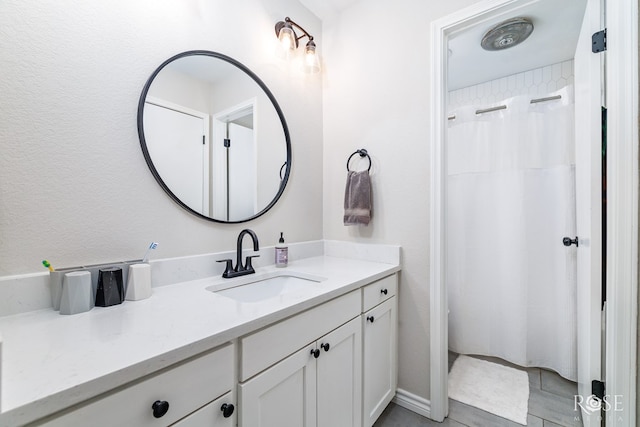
x=282 y=253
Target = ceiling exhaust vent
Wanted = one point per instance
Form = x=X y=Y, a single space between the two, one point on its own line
x=507 y=34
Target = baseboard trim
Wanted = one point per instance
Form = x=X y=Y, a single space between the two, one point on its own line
x=412 y=402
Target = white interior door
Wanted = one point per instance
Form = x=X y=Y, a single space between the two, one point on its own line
x=242 y=173
x=219 y=170
x=588 y=102
x=175 y=144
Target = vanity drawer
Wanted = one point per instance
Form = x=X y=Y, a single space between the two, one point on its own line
x=210 y=416
x=379 y=291
x=272 y=344
x=186 y=387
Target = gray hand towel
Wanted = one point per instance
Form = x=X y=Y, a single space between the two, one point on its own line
x=357 y=198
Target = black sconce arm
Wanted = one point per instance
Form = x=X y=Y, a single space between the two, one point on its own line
x=292 y=22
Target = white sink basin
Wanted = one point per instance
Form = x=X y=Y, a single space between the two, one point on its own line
x=257 y=288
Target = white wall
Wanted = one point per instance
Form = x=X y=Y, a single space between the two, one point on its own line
x=74 y=186
x=376 y=96
x=182 y=89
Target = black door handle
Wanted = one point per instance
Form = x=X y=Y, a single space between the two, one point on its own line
x=568 y=241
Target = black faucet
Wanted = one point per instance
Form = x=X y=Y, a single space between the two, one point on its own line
x=247 y=268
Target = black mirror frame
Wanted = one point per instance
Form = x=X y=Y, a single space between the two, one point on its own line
x=147 y=157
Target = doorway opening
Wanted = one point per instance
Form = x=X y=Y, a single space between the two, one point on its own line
x=234 y=156
x=622 y=254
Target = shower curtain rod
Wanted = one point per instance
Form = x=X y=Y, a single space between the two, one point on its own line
x=504 y=107
x=489 y=110
x=548 y=98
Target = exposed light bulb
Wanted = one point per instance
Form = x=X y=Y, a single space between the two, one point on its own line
x=310 y=58
x=287 y=38
x=311 y=62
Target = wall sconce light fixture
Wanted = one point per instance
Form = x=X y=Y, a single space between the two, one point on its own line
x=289 y=41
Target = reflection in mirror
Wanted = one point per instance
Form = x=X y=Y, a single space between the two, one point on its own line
x=235 y=162
x=214 y=137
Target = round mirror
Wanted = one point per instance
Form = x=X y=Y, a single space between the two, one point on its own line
x=214 y=137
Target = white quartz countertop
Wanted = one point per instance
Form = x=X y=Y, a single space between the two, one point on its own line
x=50 y=361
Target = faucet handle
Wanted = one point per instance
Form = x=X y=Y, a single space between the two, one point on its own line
x=228 y=268
x=248 y=265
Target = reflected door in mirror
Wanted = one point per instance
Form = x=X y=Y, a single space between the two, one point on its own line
x=235 y=158
x=241 y=173
x=180 y=153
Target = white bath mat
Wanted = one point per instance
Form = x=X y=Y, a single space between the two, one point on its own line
x=494 y=388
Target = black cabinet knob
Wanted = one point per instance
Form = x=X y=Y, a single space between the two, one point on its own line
x=568 y=241
x=384 y=291
x=160 y=407
x=227 y=410
x=315 y=352
x=370 y=319
x=325 y=346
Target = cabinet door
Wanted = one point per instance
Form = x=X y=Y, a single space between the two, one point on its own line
x=379 y=359
x=339 y=376
x=283 y=395
x=211 y=415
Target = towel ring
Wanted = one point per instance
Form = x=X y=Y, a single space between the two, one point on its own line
x=281 y=169
x=363 y=152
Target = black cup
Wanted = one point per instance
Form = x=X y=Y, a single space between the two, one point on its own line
x=110 y=287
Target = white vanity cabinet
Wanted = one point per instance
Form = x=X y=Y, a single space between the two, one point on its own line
x=317 y=385
x=379 y=326
x=201 y=383
x=346 y=378
x=332 y=364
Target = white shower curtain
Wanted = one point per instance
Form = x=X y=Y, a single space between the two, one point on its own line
x=510 y=201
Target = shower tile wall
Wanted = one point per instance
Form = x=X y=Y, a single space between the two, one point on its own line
x=536 y=82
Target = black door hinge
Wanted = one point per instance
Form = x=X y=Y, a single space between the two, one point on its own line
x=599 y=41
x=203 y=140
x=597 y=389
x=227 y=142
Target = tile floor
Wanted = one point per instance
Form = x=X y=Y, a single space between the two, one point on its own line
x=551 y=404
